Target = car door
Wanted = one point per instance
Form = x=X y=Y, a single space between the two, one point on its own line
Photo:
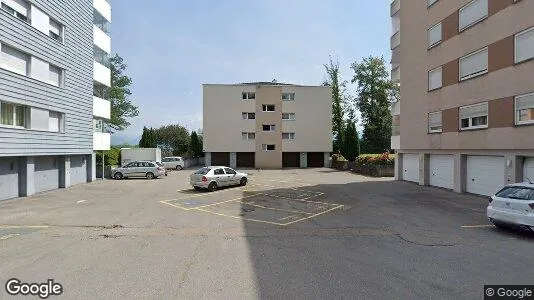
x=220 y=177
x=129 y=169
x=231 y=176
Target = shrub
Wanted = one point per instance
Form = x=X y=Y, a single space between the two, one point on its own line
x=381 y=159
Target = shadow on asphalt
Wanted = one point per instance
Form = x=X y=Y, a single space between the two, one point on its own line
x=373 y=246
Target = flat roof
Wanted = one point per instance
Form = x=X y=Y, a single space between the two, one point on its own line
x=264 y=84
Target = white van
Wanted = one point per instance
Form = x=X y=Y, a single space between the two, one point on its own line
x=173 y=162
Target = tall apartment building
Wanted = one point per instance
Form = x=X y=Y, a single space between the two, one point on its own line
x=466 y=112
x=51 y=65
x=267 y=125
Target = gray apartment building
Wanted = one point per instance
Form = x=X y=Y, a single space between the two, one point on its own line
x=466 y=115
x=53 y=76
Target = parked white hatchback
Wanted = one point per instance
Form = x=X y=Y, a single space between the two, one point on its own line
x=214 y=177
x=513 y=206
x=173 y=162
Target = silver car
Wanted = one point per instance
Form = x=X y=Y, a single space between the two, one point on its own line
x=148 y=169
x=513 y=206
x=214 y=177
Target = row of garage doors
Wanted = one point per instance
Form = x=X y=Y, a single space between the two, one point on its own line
x=247 y=159
x=484 y=174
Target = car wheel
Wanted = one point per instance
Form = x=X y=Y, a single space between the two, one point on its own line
x=197 y=188
x=118 y=176
x=501 y=225
x=150 y=175
x=178 y=168
x=243 y=181
x=212 y=187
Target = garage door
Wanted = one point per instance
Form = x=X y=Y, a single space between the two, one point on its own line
x=220 y=158
x=78 y=169
x=441 y=171
x=9 y=178
x=410 y=166
x=291 y=159
x=315 y=159
x=245 y=159
x=46 y=173
x=485 y=174
x=528 y=169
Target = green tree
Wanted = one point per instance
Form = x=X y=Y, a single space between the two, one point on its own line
x=351 y=147
x=195 y=146
x=334 y=81
x=119 y=92
x=172 y=139
x=144 y=138
x=375 y=91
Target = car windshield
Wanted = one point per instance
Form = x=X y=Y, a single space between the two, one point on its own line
x=202 y=171
x=516 y=192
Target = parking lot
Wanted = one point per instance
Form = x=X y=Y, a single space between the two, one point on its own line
x=313 y=233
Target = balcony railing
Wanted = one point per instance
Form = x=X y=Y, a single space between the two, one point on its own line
x=395 y=7
x=395 y=40
x=101 y=22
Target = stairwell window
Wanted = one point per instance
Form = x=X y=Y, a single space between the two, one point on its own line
x=249 y=116
x=288 y=116
x=248 y=135
x=474 y=116
x=268 y=147
x=288 y=96
x=269 y=127
x=524 y=109
x=288 y=135
x=248 y=96
x=16 y=8
x=268 y=107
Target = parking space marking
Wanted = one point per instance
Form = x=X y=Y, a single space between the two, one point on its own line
x=240 y=218
x=8 y=236
x=477 y=226
x=23 y=226
x=278 y=209
x=222 y=202
x=313 y=216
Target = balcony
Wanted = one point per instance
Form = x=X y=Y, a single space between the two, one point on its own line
x=101 y=141
x=395 y=142
x=395 y=108
x=101 y=74
x=101 y=39
x=104 y=8
x=395 y=57
x=395 y=40
x=395 y=7
x=395 y=75
x=101 y=108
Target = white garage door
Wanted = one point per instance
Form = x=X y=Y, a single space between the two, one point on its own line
x=410 y=166
x=441 y=169
x=528 y=169
x=485 y=174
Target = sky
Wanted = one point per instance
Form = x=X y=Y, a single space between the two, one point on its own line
x=172 y=47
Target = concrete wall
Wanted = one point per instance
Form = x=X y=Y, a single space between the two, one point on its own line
x=269 y=95
x=9 y=178
x=74 y=99
x=416 y=61
x=78 y=169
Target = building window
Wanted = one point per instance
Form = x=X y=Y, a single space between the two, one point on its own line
x=434 y=79
x=248 y=135
x=101 y=22
x=430 y=2
x=101 y=56
x=17 y=8
x=267 y=147
x=472 y=13
x=288 y=116
x=12 y=115
x=56 y=31
x=54 y=121
x=434 y=35
x=269 y=127
x=474 y=64
x=268 y=107
x=288 y=135
x=288 y=96
x=55 y=75
x=524 y=45
x=98 y=125
x=474 y=116
x=524 y=109
x=435 y=122
x=14 y=60
x=248 y=96
x=100 y=90
x=249 y=116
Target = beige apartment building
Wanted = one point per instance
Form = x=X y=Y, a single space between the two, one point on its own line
x=267 y=125
x=465 y=120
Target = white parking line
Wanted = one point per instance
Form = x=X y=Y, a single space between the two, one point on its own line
x=477 y=226
x=8 y=236
x=81 y=201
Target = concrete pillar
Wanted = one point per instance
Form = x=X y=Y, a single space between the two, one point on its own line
x=233 y=160
x=207 y=159
x=64 y=171
x=26 y=176
x=327 y=160
x=91 y=167
x=513 y=168
x=460 y=172
x=424 y=161
x=303 y=160
x=398 y=166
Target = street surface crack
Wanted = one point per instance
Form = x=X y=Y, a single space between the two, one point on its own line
x=189 y=264
x=422 y=244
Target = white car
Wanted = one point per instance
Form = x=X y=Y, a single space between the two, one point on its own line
x=173 y=162
x=513 y=206
x=214 y=177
